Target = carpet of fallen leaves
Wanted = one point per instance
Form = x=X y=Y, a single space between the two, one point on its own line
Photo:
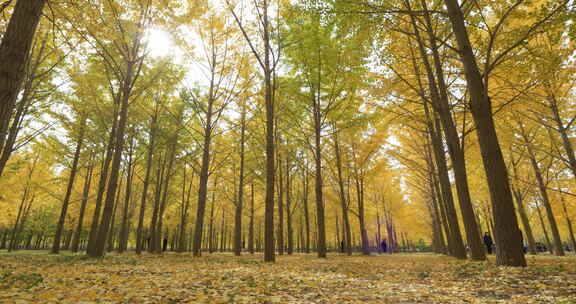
x=222 y=278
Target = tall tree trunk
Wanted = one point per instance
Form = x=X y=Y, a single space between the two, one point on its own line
x=343 y=203
x=455 y=242
x=112 y=232
x=223 y=230
x=102 y=185
x=251 y=224
x=240 y=202
x=525 y=222
x=211 y=230
x=568 y=223
x=85 y=194
x=280 y=229
x=152 y=242
x=306 y=212
x=4 y=238
x=269 y=98
x=558 y=249
x=104 y=227
x=14 y=53
x=457 y=245
x=184 y=210
x=456 y=151
x=67 y=239
x=361 y=214
x=150 y=156
x=436 y=204
x=7 y=146
x=442 y=210
x=203 y=183
x=123 y=237
x=66 y=202
x=289 y=211
x=378 y=235
x=544 y=230
x=159 y=239
x=318 y=186
x=19 y=219
x=509 y=251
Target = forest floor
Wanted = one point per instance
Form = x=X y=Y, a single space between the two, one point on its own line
x=37 y=277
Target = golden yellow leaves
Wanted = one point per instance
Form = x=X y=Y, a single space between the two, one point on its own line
x=417 y=278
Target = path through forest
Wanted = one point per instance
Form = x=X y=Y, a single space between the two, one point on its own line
x=222 y=278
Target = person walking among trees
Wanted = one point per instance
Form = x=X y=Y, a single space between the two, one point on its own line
x=383 y=246
x=488 y=242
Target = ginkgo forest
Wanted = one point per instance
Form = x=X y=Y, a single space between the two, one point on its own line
x=287 y=151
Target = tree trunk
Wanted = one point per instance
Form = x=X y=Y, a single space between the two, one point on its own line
x=14 y=53
x=525 y=222
x=123 y=237
x=251 y=224
x=102 y=185
x=184 y=210
x=66 y=202
x=458 y=249
x=378 y=232
x=544 y=230
x=7 y=146
x=507 y=235
x=211 y=230
x=150 y=156
x=240 y=202
x=19 y=217
x=455 y=242
x=361 y=215
x=558 y=249
x=321 y=226
x=436 y=204
x=568 y=223
x=85 y=194
x=223 y=230
x=203 y=191
x=306 y=212
x=280 y=229
x=455 y=150
x=343 y=203
x=442 y=210
x=4 y=238
x=159 y=239
x=563 y=130
x=289 y=211
x=269 y=252
x=104 y=227
x=112 y=232
x=152 y=242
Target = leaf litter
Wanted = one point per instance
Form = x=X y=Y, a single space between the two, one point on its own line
x=223 y=278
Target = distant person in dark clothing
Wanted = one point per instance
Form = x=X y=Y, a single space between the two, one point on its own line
x=342 y=246
x=488 y=242
x=165 y=244
x=384 y=246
